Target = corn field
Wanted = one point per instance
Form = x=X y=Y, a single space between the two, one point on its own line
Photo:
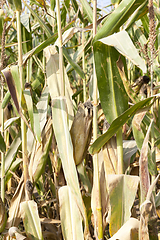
x=79 y=120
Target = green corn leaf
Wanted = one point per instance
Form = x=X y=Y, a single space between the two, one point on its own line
x=110 y=85
x=124 y=45
x=6 y=99
x=37 y=128
x=118 y=17
x=53 y=4
x=48 y=32
x=117 y=124
x=138 y=13
x=87 y=9
x=29 y=103
x=76 y=67
x=18 y=5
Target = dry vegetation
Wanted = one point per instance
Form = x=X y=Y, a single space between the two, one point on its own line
x=80 y=120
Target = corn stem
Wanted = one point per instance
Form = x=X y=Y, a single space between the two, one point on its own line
x=23 y=125
x=98 y=220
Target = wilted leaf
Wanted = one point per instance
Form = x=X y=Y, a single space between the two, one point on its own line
x=129 y=231
x=109 y=151
x=103 y=197
x=124 y=45
x=29 y=213
x=71 y=219
x=148 y=215
x=53 y=79
x=143 y=167
x=65 y=147
x=13 y=91
x=136 y=126
x=129 y=148
x=40 y=152
x=125 y=187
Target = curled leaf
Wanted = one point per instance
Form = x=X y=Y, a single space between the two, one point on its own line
x=40 y=152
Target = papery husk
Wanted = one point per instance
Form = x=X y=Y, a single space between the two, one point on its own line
x=81 y=131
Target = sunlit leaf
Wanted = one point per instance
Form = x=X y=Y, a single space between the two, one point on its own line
x=124 y=45
x=71 y=219
x=125 y=187
x=64 y=142
x=116 y=124
x=29 y=212
x=110 y=85
x=118 y=17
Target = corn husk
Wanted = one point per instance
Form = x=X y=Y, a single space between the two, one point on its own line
x=81 y=131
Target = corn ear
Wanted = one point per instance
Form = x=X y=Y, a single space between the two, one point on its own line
x=3 y=216
x=81 y=131
x=40 y=152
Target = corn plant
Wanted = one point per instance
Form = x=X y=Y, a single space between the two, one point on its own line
x=79 y=115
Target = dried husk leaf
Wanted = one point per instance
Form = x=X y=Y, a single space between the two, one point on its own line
x=81 y=131
x=143 y=167
x=148 y=215
x=14 y=213
x=40 y=152
x=136 y=126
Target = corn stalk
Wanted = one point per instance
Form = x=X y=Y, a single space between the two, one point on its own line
x=23 y=125
x=96 y=180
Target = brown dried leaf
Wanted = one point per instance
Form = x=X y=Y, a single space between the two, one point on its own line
x=143 y=167
x=11 y=86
